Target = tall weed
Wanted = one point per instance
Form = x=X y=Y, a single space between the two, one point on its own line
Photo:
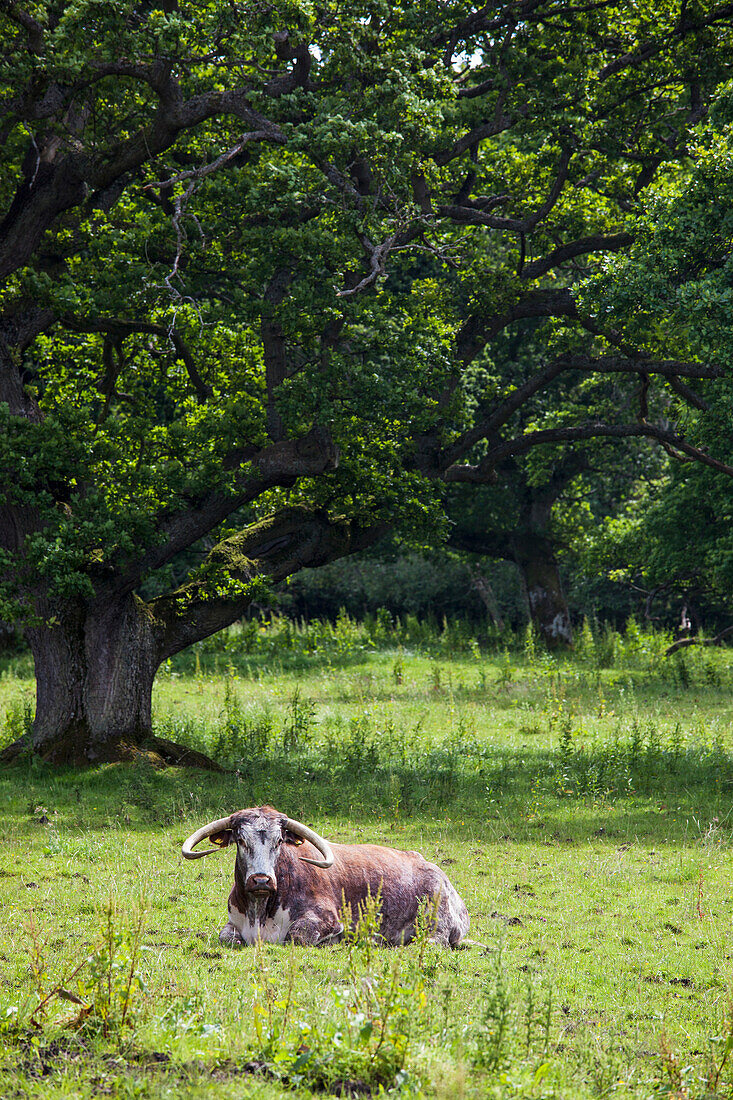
x=364 y=1031
x=102 y=988
x=513 y=1025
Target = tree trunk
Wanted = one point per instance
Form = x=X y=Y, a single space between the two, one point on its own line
x=96 y=664
x=548 y=608
x=94 y=680
x=94 y=677
x=486 y=593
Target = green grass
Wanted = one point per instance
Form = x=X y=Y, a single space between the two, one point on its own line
x=583 y=812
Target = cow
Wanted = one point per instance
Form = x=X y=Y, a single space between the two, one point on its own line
x=292 y=886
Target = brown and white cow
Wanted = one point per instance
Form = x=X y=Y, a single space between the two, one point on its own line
x=290 y=884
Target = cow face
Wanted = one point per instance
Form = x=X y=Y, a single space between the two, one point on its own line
x=259 y=835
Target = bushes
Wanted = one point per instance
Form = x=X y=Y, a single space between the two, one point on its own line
x=278 y=643
x=18 y=722
x=97 y=996
x=286 y=642
x=395 y=766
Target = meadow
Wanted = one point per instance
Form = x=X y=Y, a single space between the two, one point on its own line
x=580 y=803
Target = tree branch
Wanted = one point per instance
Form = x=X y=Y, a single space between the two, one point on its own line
x=636 y=57
x=24 y=19
x=502 y=121
x=470 y=215
x=377 y=255
x=688 y=394
x=682 y=643
x=121 y=328
x=476 y=331
x=298 y=75
x=275 y=548
x=526 y=442
x=274 y=346
x=598 y=243
x=490 y=544
x=63 y=183
x=281 y=464
x=17 y=332
x=221 y=161
x=667 y=368
x=501 y=415
x=639 y=364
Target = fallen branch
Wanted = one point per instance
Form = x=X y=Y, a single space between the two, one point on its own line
x=682 y=643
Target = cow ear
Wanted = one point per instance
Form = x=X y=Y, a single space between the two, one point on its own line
x=222 y=839
x=291 y=838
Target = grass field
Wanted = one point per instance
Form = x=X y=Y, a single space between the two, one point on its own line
x=581 y=805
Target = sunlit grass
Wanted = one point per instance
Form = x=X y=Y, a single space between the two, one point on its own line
x=584 y=814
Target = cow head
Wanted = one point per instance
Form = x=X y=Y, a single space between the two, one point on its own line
x=259 y=834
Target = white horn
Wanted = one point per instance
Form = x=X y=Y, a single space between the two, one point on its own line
x=317 y=841
x=187 y=851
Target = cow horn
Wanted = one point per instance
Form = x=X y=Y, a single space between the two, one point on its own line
x=317 y=841
x=187 y=851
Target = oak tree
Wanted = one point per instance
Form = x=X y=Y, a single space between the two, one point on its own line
x=254 y=259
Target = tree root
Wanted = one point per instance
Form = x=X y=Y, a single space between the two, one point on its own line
x=159 y=752
x=12 y=752
x=173 y=754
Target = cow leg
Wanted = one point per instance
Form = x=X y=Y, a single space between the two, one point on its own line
x=453 y=920
x=315 y=930
x=230 y=937
x=450 y=924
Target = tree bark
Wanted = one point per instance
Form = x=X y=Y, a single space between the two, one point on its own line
x=486 y=593
x=94 y=674
x=548 y=609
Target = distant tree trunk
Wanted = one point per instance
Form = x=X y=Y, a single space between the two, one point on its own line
x=534 y=557
x=486 y=592
x=548 y=609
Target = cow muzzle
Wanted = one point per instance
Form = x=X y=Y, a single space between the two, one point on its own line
x=260 y=884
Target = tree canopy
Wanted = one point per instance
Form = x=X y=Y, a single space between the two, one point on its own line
x=673 y=292
x=258 y=263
